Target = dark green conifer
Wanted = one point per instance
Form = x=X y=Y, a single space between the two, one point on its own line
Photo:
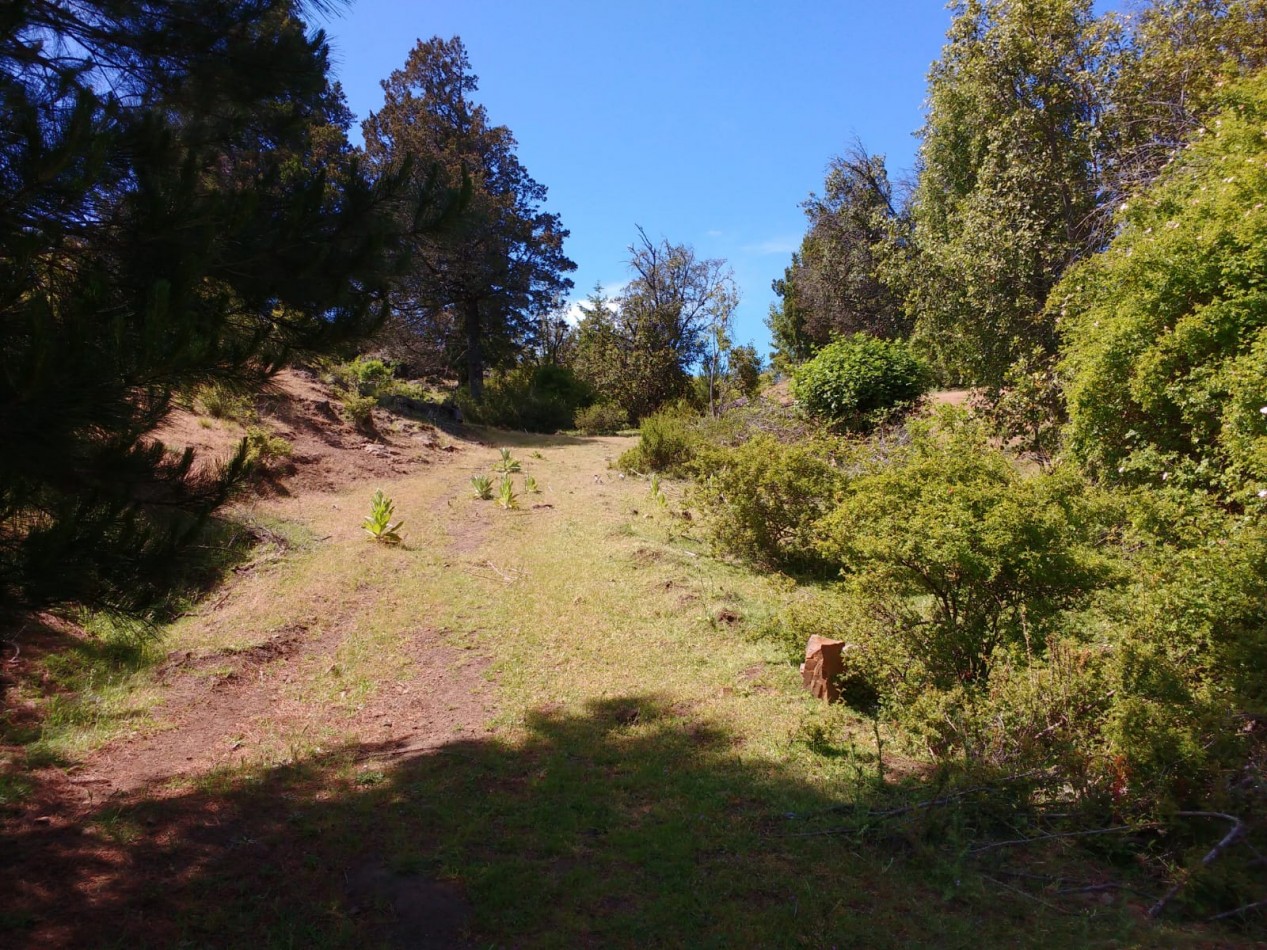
x=178 y=207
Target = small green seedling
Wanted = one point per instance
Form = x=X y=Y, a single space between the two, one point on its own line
x=483 y=486
x=531 y=486
x=506 y=496
x=657 y=493
x=379 y=523
x=506 y=464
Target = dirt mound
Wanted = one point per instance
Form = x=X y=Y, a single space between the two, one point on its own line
x=327 y=454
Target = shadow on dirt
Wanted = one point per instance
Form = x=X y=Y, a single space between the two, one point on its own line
x=630 y=822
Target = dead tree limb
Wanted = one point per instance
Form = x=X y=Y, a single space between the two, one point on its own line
x=1229 y=839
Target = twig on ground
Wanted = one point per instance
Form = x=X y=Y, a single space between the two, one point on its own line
x=17 y=652
x=1051 y=837
x=1017 y=890
x=509 y=579
x=403 y=750
x=1229 y=839
x=1240 y=910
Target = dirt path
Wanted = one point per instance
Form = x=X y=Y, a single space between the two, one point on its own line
x=251 y=702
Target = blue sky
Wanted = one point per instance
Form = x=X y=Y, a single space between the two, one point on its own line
x=705 y=122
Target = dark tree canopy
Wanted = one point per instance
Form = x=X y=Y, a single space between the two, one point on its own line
x=166 y=221
x=481 y=286
x=834 y=287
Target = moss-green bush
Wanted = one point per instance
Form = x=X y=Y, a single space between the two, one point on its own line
x=365 y=376
x=667 y=443
x=762 y=499
x=1165 y=333
x=857 y=380
x=964 y=558
x=531 y=398
x=602 y=418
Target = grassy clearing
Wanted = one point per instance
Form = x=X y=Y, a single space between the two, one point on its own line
x=652 y=772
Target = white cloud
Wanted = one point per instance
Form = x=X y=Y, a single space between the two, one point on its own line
x=572 y=314
x=779 y=245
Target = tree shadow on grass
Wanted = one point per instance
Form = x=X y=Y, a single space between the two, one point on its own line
x=516 y=439
x=631 y=822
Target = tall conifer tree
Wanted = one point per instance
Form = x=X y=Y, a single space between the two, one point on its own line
x=484 y=282
x=167 y=220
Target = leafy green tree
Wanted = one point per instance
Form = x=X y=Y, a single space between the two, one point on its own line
x=834 y=286
x=1165 y=332
x=483 y=282
x=638 y=349
x=166 y=222
x=1178 y=55
x=786 y=320
x=1008 y=179
x=745 y=370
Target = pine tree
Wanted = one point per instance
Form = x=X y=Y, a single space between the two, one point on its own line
x=167 y=220
x=483 y=283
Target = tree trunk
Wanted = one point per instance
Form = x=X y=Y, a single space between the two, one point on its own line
x=474 y=354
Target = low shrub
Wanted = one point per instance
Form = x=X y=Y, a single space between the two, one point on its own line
x=264 y=449
x=965 y=559
x=856 y=381
x=365 y=376
x=602 y=418
x=360 y=410
x=222 y=402
x=530 y=398
x=667 y=444
x=762 y=499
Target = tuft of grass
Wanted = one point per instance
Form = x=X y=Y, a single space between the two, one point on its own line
x=507 y=464
x=531 y=486
x=223 y=402
x=482 y=486
x=506 y=496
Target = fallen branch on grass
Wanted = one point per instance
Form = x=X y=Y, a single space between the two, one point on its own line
x=1229 y=839
x=1240 y=910
x=1051 y=837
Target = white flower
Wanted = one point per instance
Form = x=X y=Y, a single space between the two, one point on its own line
x=1263 y=411
x=1164 y=476
x=1263 y=493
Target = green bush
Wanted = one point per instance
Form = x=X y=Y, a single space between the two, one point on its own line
x=1165 y=333
x=857 y=380
x=1189 y=660
x=365 y=376
x=963 y=558
x=530 y=398
x=602 y=418
x=222 y=402
x=667 y=443
x=762 y=499
x=264 y=449
x=360 y=410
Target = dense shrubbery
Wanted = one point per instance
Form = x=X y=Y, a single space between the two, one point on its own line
x=602 y=418
x=855 y=380
x=667 y=442
x=533 y=398
x=761 y=499
x=1009 y=622
x=963 y=559
x=1166 y=332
